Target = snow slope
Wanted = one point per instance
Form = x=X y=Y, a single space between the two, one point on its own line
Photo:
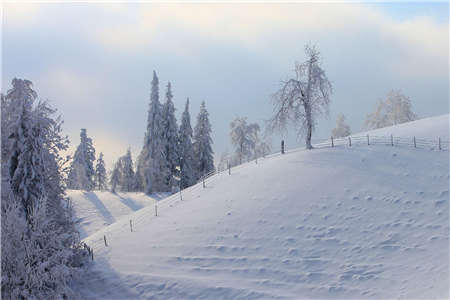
x=428 y=128
x=96 y=210
x=359 y=222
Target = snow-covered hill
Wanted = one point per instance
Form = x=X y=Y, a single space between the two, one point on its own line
x=428 y=128
x=365 y=221
x=96 y=210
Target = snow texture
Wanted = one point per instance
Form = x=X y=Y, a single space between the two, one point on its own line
x=359 y=222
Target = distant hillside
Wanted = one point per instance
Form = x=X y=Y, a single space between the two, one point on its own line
x=96 y=210
x=428 y=128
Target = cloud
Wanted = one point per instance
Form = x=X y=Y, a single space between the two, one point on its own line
x=251 y=24
x=21 y=14
x=64 y=81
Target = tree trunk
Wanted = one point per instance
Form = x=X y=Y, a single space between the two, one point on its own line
x=308 y=136
x=309 y=125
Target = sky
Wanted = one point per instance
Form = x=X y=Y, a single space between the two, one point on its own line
x=94 y=61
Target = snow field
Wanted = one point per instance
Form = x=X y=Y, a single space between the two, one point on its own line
x=359 y=222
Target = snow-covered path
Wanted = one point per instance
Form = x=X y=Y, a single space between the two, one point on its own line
x=342 y=222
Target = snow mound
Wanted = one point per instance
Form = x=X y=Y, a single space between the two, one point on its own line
x=96 y=210
x=343 y=222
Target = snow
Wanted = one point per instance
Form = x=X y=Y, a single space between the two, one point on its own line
x=96 y=210
x=359 y=222
x=428 y=128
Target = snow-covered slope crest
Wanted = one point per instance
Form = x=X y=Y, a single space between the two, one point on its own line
x=96 y=210
x=428 y=128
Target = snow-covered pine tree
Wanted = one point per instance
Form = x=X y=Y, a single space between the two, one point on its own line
x=100 y=173
x=186 y=153
x=115 y=177
x=82 y=172
x=126 y=172
x=342 y=128
x=26 y=166
x=203 y=153
x=152 y=168
x=40 y=246
x=170 y=139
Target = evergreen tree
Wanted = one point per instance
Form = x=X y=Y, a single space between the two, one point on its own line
x=186 y=152
x=81 y=175
x=25 y=162
x=152 y=168
x=40 y=246
x=115 y=177
x=203 y=152
x=126 y=172
x=100 y=173
x=170 y=139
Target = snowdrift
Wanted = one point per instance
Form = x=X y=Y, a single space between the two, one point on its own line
x=359 y=222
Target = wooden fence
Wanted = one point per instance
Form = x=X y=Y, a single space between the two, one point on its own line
x=107 y=237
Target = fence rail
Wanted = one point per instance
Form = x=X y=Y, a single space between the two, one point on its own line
x=98 y=242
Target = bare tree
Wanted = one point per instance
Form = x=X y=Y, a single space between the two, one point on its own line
x=300 y=100
x=399 y=108
x=396 y=109
x=244 y=136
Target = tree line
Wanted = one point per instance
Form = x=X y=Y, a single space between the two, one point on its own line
x=172 y=157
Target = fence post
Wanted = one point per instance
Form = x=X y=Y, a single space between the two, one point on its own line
x=349 y=141
x=414 y=139
x=439 y=143
x=92 y=254
x=332 y=142
x=131 y=226
x=104 y=238
x=229 y=169
x=203 y=179
x=156 y=210
x=368 y=141
x=392 y=140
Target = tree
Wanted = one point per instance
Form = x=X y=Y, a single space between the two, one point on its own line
x=126 y=172
x=396 y=109
x=41 y=250
x=300 y=100
x=82 y=172
x=170 y=139
x=26 y=166
x=263 y=147
x=342 y=129
x=115 y=177
x=245 y=137
x=100 y=173
x=123 y=176
x=203 y=152
x=186 y=152
x=224 y=161
x=152 y=167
